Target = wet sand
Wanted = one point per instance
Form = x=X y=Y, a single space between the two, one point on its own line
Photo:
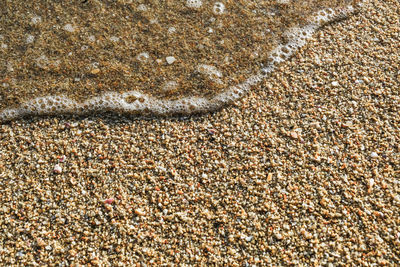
x=304 y=170
x=166 y=50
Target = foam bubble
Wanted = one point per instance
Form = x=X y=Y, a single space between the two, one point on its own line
x=142 y=7
x=69 y=28
x=194 y=3
x=212 y=72
x=36 y=20
x=218 y=8
x=30 y=39
x=169 y=86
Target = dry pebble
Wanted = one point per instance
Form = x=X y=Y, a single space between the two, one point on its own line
x=234 y=187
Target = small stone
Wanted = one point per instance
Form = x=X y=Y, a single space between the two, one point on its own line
x=269 y=177
x=57 y=169
x=335 y=83
x=347 y=124
x=374 y=155
x=62 y=158
x=306 y=234
x=278 y=236
x=171 y=30
x=72 y=181
x=95 y=71
x=40 y=242
x=73 y=252
x=170 y=60
x=249 y=238
x=140 y=212
x=109 y=201
x=294 y=135
x=371 y=183
x=95 y=262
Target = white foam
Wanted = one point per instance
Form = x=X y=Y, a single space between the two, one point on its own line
x=137 y=102
x=69 y=28
x=142 y=7
x=30 y=39
x=36 y=20
x=169 y=86
x=212 y=72
x=194 y=3
x=218 y=8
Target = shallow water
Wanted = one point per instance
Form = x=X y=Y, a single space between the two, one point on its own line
x=146 y=57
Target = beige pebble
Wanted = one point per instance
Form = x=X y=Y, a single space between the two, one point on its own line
x=95 y=71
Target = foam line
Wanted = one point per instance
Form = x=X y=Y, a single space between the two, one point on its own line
x=148 y=105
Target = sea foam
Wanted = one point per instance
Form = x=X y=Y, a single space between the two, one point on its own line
x=143 y=103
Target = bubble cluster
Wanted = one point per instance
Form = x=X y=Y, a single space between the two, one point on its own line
x=212 y=72
x=218 y=8
x=69 y=28
x=169 y=86
x=194 y=3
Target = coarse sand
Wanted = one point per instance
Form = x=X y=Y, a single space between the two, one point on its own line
x=304 y=170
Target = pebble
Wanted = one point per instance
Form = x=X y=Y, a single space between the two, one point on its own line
x=294 y=135
x=374 y=155
x=170 y=60
x=109 y=201
x=95 y=71
x=140 y=212
x=57 y=169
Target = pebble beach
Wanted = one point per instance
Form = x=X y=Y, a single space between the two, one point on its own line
x=304 y=170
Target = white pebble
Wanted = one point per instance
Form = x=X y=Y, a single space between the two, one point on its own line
x=170 y=60
x=335 y=83
x=249 y=238
x=171 y=30
x=57 y=169
x=142 y=7
x=371 y=183
x=114 y=38
x=143 y=56
x=374 y=155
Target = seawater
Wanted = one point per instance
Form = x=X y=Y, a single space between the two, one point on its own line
x=147 y=57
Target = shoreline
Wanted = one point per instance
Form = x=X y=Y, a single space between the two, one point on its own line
x=139 y=102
